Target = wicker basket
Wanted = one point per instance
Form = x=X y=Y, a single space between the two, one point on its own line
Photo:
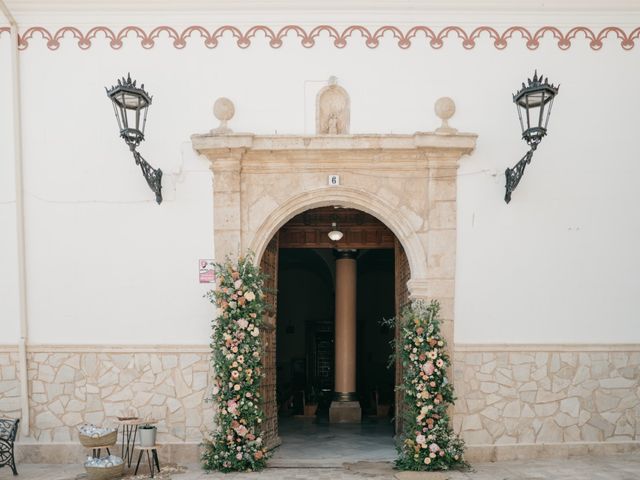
x=104 y=473
x=103 y=441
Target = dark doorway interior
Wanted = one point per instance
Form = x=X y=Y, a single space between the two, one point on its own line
x=375 y=302
x=305 y=320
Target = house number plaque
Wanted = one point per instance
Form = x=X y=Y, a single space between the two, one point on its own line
x=334 y=180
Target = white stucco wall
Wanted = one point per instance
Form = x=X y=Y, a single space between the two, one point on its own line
x=105 y=264
x=9 y=326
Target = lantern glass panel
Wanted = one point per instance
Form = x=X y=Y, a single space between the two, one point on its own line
x=533 y=112
x=130 y=104
x=132 y=101
x=549 y=105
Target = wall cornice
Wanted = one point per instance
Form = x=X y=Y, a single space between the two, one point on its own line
x=408 y=155
x=372 y=37
x=88 y=348
x=458 y=348
x=544 y=347
x=459 y=143
x=430 y=6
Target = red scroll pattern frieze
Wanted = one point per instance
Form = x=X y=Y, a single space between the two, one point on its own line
x=340 y=37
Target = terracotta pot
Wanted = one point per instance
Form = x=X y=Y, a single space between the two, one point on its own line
x=310 y=410
x=382 y=410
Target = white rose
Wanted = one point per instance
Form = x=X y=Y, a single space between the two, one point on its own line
x=250 y=296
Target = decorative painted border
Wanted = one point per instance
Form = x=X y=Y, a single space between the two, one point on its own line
x=308 y=38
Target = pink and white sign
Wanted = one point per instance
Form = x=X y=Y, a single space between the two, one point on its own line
x=207 y=272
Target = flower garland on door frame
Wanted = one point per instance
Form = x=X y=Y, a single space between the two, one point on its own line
x=236 y=444
x=427 y=441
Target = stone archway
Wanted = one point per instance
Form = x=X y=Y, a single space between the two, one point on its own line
x=350 y=198
x=406 y=181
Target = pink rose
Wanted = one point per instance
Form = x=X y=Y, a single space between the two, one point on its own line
x=241 y=430
x=428 y=368
x=242 y=323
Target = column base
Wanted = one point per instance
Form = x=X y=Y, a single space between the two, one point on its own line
x=345 y=397
x=345 y=412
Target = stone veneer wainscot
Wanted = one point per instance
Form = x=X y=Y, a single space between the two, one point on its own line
x=513 y=402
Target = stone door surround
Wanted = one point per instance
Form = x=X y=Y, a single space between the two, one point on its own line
x=406 y=181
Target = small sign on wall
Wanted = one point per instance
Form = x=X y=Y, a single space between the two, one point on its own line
x=334 y=180
x=207 y=271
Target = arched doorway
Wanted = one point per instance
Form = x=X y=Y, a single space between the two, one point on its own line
x=302 y=359
x=408 y=182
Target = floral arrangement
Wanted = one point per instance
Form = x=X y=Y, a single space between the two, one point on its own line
x=236 y=443
x=427 y=441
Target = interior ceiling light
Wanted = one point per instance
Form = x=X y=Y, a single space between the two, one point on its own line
x=335 y=235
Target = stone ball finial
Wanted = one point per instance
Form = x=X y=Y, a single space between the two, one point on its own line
x=445 y=107
x=224 y=110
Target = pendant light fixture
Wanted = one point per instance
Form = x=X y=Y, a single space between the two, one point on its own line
x=335 y=235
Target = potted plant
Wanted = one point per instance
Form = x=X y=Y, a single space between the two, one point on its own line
x=310 y=403
x=147 y=434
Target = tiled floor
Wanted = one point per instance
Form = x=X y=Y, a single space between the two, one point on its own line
x=619 y=467
x=309 y=443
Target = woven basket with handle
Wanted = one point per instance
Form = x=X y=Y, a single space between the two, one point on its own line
x=103 y=441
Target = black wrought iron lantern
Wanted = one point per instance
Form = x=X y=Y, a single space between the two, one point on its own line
x=534 y=102
x=130 y=105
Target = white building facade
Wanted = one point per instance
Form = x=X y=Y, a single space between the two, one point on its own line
x=539 y=295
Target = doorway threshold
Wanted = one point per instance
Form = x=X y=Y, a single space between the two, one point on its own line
x=311 y=444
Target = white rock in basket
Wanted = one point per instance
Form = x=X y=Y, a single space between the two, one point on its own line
x=104 y=462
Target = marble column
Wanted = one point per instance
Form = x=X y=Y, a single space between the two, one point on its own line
x=345 y=407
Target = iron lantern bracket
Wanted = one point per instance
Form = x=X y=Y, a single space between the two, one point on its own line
x=533 y=102
x=514 y=175
x=130 y=106
x=153 y=176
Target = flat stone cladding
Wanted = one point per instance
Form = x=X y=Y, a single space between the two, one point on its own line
x=512 y=402
x=70 y=388
x=9 y=385
x=547 y=397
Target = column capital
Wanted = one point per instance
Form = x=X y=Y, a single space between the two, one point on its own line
x=341 y=254
x=419 y=288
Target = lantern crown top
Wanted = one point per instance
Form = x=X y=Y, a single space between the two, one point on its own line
x=127 y=86
x=535 y=85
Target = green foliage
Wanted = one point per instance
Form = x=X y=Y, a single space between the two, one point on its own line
x=236 y=443
x=427 y=441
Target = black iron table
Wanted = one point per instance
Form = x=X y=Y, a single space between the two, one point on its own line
x=129 y=433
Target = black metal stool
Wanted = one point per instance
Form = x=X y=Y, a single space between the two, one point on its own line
x=152 y=459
